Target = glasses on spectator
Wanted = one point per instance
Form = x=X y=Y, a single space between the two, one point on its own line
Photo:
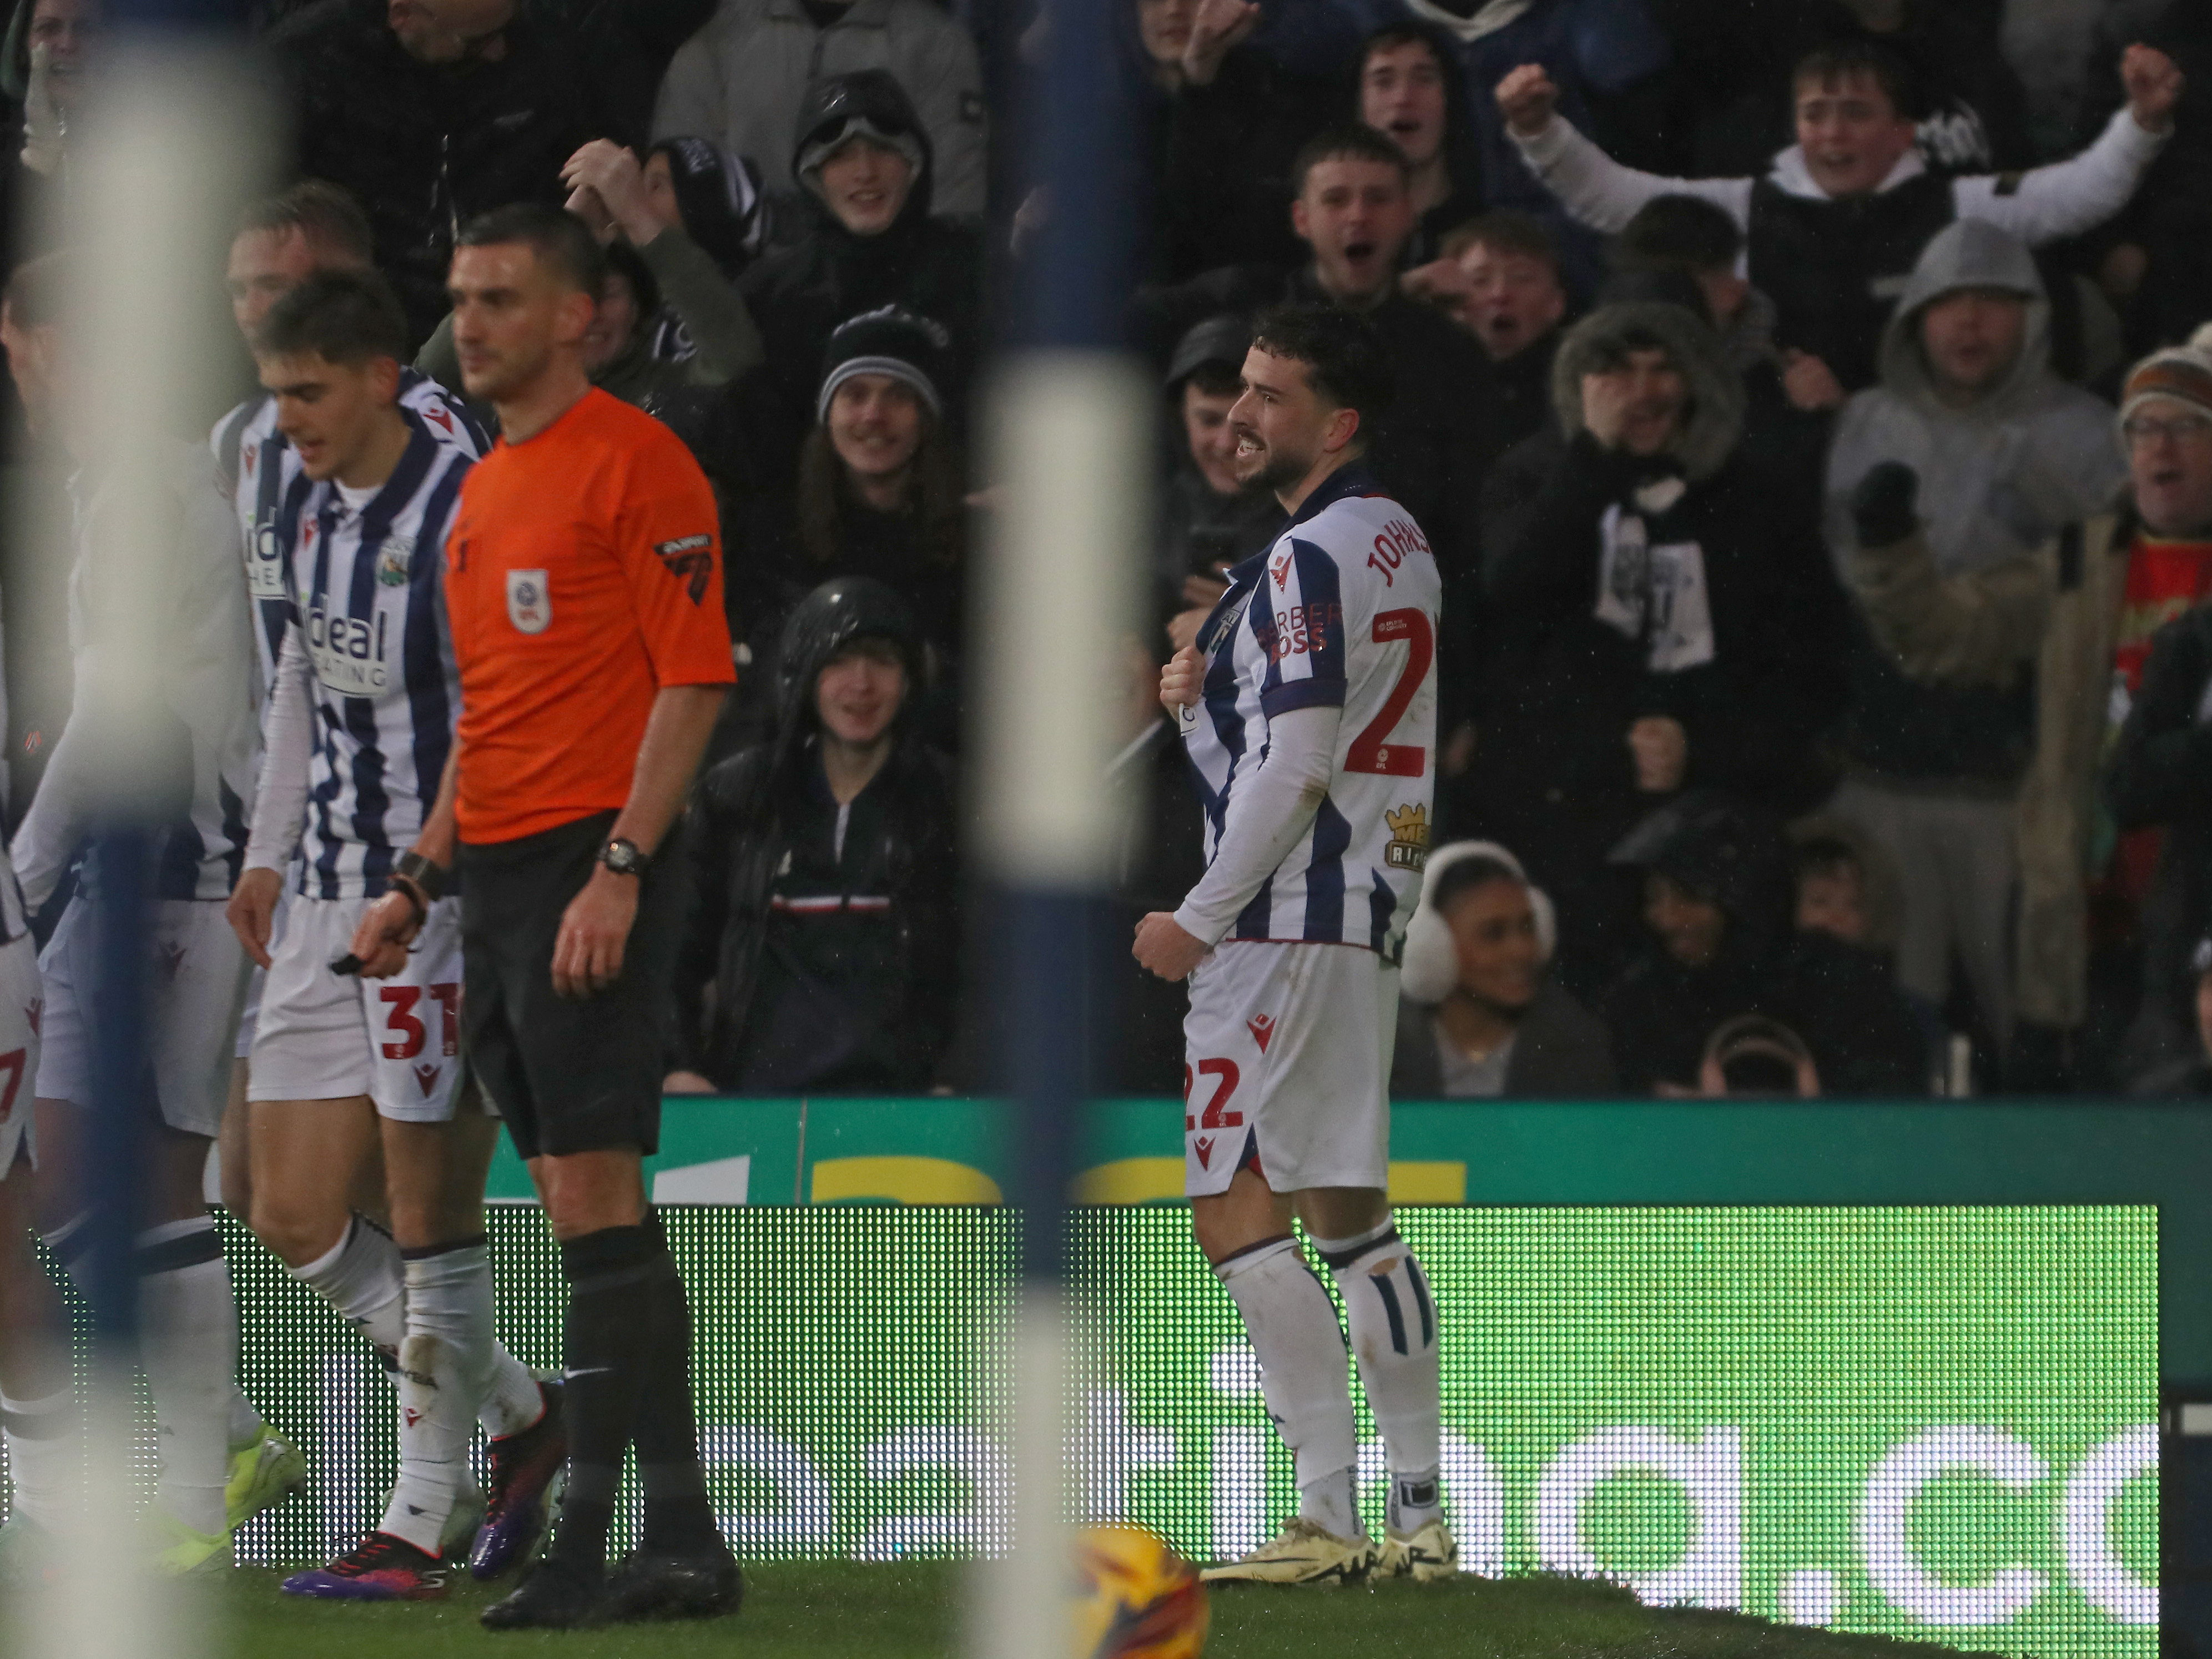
x=2143 y=429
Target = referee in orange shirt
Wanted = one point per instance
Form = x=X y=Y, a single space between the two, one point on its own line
x=584 y=590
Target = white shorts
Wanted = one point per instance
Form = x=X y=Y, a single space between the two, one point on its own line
x=1287 y=1066
x=21 y=1016
x=251 y=1018
x=334 y=1036
x=199 y=984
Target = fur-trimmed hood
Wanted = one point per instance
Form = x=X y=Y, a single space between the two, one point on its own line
x=1714 y=421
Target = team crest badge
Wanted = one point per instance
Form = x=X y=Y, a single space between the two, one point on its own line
x=1409 y=837
x=394 y=559
x=529 y=603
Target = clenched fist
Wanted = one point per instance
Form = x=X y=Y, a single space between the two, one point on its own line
x=1526 y=98
x=1181 y=680
x=2155 y=83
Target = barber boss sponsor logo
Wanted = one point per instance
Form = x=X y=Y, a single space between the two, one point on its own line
x=1299 y=628
x=529 y=601
x=349 y=653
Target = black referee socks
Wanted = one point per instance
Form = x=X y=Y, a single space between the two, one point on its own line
x=677 y=1517
x=607 y=1352
x=626 y=1356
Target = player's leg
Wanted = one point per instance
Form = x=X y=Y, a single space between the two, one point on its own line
x=1387 y=1306
x=524 y=1431
x=188 y=1346
x=1244 y=1227
x=188 y=1316
x=38 y=1407
x=1393 y=1320
x=1245 y=1233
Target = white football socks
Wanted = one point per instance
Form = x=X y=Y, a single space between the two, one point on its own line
x=188 y=1344
x=1394 y=1335
x=361 y=1277
x=445 y=1362
x=364 y=1277
x=45 y=1456
x=1292 y=1325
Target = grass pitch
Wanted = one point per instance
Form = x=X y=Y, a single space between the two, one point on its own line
x=913 y=1611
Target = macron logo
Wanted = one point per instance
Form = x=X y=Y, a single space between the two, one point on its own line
x=427 y=1076
x=439 y=418
x=1281 y=570
x=1204 y=1147
x=1262 y=1026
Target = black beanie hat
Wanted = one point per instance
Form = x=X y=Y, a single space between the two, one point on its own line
x=718 y=193
x=904 y=344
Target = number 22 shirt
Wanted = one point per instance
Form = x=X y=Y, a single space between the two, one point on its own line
x=1340 y=611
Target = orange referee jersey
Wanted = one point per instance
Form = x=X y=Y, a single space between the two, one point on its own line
x=583 y=572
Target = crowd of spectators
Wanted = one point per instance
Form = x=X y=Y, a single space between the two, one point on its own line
x=1805 y=402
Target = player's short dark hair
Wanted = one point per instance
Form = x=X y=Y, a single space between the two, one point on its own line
x=1835 y=63
x=37 y=290
x=1344 y=358
x=325 y=214
x=560 y=242
x=343 y=316
x=1349 y=141
x=1678 y=233
x=1509 y=230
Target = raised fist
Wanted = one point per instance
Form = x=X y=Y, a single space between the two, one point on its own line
x=1526 y=98
x=2155 y=83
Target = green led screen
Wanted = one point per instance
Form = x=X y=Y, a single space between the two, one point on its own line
x=1933 y=1423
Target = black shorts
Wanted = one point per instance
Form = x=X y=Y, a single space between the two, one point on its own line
x=566 y=1076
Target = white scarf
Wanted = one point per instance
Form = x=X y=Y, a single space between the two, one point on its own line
x=1492 y=18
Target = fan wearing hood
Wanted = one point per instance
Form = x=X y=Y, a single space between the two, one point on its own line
x=1969 y=456
x=863 y=238
x=1657 y=612
x=1718 y=945
x=821 y=956
x=748 y=77
x=1478 y=1013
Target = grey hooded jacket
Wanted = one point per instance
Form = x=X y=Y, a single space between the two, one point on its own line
x=1999 y=479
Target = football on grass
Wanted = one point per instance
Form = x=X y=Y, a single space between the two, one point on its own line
x=1137 y=1599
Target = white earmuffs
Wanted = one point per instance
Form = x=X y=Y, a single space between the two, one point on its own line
x=1431 y=966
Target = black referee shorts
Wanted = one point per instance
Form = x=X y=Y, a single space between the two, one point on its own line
x=566 y=1076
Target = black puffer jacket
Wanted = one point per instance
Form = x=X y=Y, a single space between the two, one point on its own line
x=824 y=274
x=427 y=147
x=834 y=970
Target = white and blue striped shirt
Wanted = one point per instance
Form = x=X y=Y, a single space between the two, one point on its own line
x=255 y=467
x=1340 y=611
x=366 y=643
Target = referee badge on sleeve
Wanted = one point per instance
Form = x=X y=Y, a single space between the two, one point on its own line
x=529 y=601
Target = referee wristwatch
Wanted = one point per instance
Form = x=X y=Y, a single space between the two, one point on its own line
x=621 y=856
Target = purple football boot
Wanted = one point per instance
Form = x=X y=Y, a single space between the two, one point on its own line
x=380 y=1567
x=526 y=1470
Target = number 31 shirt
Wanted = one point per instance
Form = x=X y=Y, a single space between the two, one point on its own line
x=1340 y=611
